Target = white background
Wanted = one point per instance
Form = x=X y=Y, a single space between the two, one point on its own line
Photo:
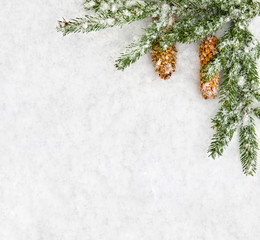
x=91 y=153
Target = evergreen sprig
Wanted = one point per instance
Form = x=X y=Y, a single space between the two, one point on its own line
x=108 y=18
x=238 y=51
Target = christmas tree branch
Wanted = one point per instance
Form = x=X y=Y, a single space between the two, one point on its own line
x=141 y=46
x=191 y=30
x=112 y=6
x=237 y=96
x=248 y=147
x=105 y=19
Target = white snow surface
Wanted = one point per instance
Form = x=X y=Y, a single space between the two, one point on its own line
x=92 y=153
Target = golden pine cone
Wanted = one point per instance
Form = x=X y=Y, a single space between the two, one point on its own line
x=164 y=61
x=207 y=50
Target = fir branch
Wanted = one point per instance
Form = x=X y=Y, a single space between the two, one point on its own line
x=224 y=134
x=141 y=46
x=250 y=46
x=105 y=20
x=186 y=31
x=184 y=8
x=236 y=97
x=92 y=4
x=248 y=146
x=227 y=119
x=112 y=6
x=256 y=112
x=217 y=64
x=256 y=95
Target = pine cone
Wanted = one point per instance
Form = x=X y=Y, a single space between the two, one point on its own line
x=207 y=50
x=164 y=61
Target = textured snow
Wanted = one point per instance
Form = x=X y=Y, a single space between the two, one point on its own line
x=92 y=153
